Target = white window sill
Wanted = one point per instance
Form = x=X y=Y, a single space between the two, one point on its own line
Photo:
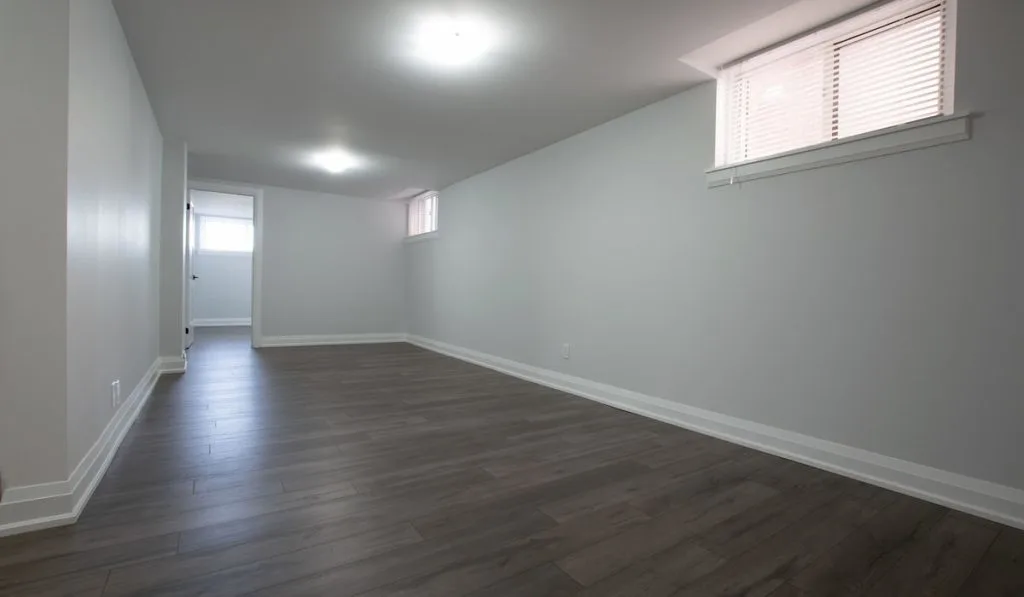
x=906 y=137
x=422 y=237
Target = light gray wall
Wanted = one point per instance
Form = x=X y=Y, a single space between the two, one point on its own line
x=224 y=287
x=877 y=304
x=33 y=186
x=174 y=186
x=113 y=221
x=331 y=265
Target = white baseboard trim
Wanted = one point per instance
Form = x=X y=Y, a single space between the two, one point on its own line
x=282 y=341
x=60 y=503
x=982 y=498
x=172 y=365
x=222 y=322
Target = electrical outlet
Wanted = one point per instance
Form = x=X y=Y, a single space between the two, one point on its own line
x=115 y=393
x=566 y=351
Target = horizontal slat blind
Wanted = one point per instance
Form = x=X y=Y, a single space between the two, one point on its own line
x=891 y=76
x=888 y=73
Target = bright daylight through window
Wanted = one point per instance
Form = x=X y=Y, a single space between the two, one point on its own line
x=423 y=214
x=225 y=235
x=882 y=68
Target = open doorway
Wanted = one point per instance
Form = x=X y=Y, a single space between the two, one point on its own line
x=220 y=264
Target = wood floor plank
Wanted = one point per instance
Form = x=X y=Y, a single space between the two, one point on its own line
x=938 y=564
x=600 y=560
x=547 y=580
x=179 y=568
x=113 y=555
x=762 y=570
x=758 y=523
x=682 y=475
x=417 y=560
x=660 y=575
x=1001 y=570
x=517 y=556
x=377 y=470
x=856 y=563
x=88 y=583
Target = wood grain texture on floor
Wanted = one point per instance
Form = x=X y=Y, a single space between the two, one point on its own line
x=388 y=470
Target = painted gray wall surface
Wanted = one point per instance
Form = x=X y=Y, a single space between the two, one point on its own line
x=33 y=185
x=113 y=222
x=877 y=304
x=331 y=265
x=224 y=287
x=174 y=186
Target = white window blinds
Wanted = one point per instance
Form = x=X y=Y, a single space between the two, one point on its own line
x=423 y=214
x=882 y=68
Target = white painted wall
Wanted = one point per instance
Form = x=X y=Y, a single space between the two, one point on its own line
x=113 y=223
x=875 y=304
x=33 y=179
x=224 y=288
x=172 y=248
x=332 y=265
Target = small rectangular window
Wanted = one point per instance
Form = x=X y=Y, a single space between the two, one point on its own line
x=423 y=214
x=879 y=69
x=225 y=235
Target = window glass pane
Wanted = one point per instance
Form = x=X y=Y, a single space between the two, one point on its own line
x=890 y=78
x=779 y=107
x=225 y=235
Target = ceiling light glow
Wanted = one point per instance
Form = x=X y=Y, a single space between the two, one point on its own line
x=454 y=42
x=335 y=161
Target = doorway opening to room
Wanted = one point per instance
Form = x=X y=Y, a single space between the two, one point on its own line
x=219 y=266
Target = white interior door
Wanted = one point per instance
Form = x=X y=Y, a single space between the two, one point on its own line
x=190 y=272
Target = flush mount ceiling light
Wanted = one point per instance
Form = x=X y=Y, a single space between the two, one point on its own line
x=335 y=161
x=454 y=41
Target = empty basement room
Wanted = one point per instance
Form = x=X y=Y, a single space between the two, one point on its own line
x=500 y=298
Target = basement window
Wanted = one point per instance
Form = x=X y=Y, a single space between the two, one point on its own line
x=886 y=69
x=423 y=214
x=225 y=235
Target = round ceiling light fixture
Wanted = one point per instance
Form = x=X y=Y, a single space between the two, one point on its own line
x=453 y=42
x=335 y=160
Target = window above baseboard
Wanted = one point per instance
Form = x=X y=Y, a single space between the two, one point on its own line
x=888 y=66
x=422 y=214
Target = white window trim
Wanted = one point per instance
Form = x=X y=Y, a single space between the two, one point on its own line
x=919 y=134
x=437 y=220
x=423 y=237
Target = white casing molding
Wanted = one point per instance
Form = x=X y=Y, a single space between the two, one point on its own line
x=213 y=186
x=60 y=503
x=982 y=498
x=282 y=341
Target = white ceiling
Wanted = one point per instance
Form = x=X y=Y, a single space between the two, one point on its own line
x=255 y=86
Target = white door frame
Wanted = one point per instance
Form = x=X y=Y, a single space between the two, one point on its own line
x=257 y=246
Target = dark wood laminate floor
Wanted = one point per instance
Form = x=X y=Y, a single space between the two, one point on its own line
x=389 y=470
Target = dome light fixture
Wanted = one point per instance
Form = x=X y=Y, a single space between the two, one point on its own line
x=335 y=161
x=453 y=42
